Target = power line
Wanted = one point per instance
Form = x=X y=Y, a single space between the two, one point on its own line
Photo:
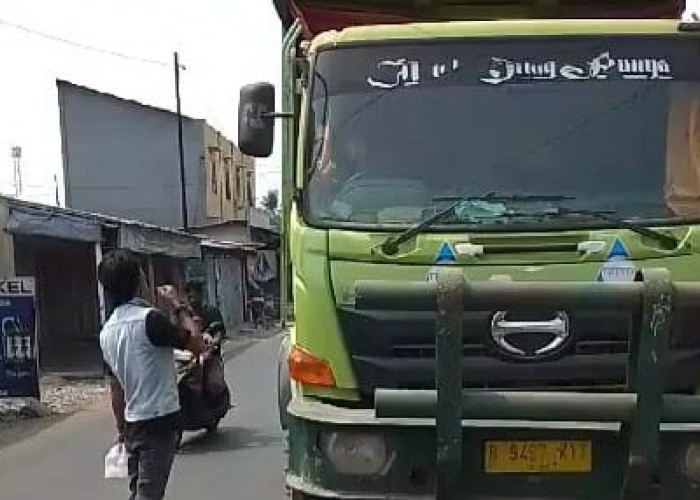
x=122 y=55
x=83 y=46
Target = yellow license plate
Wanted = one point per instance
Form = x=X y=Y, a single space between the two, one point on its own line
x=533 y=457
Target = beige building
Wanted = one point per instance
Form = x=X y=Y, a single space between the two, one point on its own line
x=230 y=185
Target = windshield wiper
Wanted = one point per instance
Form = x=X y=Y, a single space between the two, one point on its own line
x=498 y=198
x=668 y=241
x=391 y=245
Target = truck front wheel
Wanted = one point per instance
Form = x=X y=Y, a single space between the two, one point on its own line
x=284 y=388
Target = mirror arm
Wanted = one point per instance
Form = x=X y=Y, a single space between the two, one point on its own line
x=297 y=196
x=273 y=115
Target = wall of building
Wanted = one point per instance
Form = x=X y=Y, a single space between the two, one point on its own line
x=225 y=278
x=230 y=179
x=67 y=306
x=235 y=232
x=218 y=188
x=245 y=176
x=121 y=158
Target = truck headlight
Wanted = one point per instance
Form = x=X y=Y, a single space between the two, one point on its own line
x=691 y=462
x=355 y=453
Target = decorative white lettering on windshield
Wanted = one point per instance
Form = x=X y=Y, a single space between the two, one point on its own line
x=441 y=69
x=599 y=68
x=406 y=72
x=399 y=73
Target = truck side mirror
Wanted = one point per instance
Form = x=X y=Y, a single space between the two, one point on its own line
x=256 y=120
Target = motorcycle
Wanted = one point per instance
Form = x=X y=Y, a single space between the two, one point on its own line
x=257 y=305
x=205 y=397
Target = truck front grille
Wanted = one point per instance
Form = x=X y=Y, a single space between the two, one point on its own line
x=396 y=349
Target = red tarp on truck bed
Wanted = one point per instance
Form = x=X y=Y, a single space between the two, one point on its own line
x=317 y=18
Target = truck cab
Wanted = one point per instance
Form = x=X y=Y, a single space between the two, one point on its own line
x=549 y=144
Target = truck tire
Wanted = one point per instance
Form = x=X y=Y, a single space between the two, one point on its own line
x=284 y=388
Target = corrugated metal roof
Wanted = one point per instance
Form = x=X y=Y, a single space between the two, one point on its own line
x=105 y=219
x=232 y=245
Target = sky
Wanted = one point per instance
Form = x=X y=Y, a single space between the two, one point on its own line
x=223 y=45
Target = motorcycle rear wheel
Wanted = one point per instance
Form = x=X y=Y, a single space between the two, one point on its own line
x=213 y=427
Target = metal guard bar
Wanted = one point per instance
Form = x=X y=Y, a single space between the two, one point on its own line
x=652 y=298
x=537 y=406
x=497 y=295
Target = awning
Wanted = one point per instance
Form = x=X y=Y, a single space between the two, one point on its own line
x=224 y=246
x=53 y=224
x=151 y=240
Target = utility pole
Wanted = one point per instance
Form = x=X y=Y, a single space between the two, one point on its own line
x=183 y=187
x=55 y=183
x=16 y=153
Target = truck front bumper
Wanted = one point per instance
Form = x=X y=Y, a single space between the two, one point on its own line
x=409 y=469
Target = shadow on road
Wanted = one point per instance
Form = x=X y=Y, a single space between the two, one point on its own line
x=226 y=439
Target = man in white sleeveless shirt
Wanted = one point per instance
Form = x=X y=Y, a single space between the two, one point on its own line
x=137 y=343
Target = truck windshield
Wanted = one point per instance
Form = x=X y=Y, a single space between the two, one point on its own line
x=611 y=123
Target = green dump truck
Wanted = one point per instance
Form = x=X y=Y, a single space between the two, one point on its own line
x=491 y=216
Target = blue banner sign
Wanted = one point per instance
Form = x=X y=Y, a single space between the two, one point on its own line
x=19 y=373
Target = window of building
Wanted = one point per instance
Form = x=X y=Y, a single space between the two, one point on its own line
x=214 y=183
x=235 y=182
x=241 y=185
x=249 y=188
x=227 y=187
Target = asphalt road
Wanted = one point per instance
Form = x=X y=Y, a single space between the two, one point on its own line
x=244 y=460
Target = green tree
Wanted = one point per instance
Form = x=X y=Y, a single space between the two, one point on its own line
x=270 y=201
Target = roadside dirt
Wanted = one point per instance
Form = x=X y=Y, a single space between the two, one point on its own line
x=60 y=398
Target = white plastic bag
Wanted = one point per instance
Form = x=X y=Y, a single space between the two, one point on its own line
x=116 y=462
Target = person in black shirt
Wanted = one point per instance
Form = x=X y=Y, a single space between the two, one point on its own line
x=212 y=321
